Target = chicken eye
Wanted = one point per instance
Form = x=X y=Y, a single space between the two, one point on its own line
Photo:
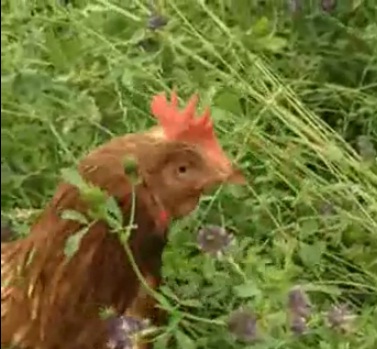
x=182 y=169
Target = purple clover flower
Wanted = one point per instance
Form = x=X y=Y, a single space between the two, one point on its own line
x=121 y=329
x=328 y=5
x=299 y=310
x=242 y=324
x=340 y=317
x=157 y=21
x=298 y=302
x=213 y=240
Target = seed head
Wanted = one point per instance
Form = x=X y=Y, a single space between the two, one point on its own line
x=156 y=22
x=242 y=324
x=213 y=240
x=328 y=5
x=298 y=310
x=298 y=302
x=340 y=317
x=298 y=324
x=121 y=329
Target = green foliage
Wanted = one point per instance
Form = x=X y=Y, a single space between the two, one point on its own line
x=101 y=207
x=131 y=169
x=294 y=100
x=72 y=244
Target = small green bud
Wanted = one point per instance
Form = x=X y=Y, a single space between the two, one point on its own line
x=131 y=169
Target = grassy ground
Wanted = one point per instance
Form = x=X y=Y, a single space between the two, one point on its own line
x=294 y=97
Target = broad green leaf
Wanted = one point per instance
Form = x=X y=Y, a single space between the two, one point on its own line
x=72 y=244
x=308 y=227
x=74 y=216
x=73 y=177
x=273 y=43
x=311 y=254
x=184 y=341
x=114 y=215
x=228 y=100
x=247 y=290
x=260 y=27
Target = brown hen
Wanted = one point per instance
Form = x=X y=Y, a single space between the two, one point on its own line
x=51 y=302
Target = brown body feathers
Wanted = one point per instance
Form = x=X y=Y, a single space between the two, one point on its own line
x=51 y=302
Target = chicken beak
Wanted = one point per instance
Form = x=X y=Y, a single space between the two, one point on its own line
x=235 y=176
x=230 y=174
x=227 y=172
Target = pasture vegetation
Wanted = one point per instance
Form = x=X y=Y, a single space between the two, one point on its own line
x=294 y=96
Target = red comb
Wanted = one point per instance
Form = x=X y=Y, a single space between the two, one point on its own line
x=185 y=125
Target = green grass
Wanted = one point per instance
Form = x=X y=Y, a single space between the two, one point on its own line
x=290 y=94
